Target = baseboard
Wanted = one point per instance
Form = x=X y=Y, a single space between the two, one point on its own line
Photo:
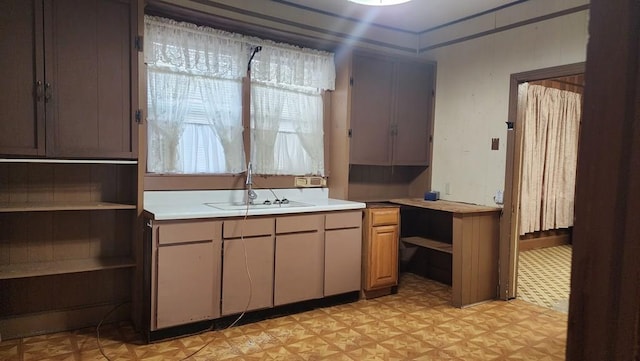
x=368 y=294
x=556 y=238
x=63 y=320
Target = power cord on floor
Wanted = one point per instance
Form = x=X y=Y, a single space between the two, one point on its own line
x=100 y=324
x=246 y=263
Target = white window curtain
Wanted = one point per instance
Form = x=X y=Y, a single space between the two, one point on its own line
x=551 y=123
x=196 y=127
x=167 y=98
x=287 y=108
x=199 y=70
x=222 y=114
x=266 y=109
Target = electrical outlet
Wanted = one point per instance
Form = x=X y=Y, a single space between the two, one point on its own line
x=308 y=182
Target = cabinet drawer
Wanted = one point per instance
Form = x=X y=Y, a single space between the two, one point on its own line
x=306 y=223
x=182 y=232
x=248 y=227
x=343 y=220
x=384 y=216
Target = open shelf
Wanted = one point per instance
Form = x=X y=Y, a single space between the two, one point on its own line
x=23 y=270
x=429 y=243
x=61 y=206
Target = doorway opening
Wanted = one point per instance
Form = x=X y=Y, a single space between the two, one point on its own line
x=540 y=249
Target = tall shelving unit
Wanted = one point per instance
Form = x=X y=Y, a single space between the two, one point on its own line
x=66 y=250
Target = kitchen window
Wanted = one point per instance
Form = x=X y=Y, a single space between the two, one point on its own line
x=195 y=95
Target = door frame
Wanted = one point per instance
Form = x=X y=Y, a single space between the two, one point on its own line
x=513 y=176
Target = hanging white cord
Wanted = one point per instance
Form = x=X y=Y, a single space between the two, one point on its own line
x=246 y=263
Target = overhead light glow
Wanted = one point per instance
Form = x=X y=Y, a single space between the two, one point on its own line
x=379 y=2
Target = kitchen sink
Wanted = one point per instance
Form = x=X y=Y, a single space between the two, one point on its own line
x=233 y=206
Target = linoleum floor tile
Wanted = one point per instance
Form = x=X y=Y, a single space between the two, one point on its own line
x=414 y=324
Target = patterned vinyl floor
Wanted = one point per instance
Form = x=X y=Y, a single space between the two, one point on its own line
x=417 y=323
x=544 y=277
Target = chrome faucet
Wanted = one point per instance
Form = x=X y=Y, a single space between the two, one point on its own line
x=251 y=194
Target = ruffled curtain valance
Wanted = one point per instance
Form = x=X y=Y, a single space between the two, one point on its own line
x=288 y=66
x=196 y=50
x=185 y=47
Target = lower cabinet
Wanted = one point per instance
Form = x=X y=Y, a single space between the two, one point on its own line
x=207 y=268
x=187 y=267
x=299 y=260
x=342 y=252
x=247 y=276
x=380 y=252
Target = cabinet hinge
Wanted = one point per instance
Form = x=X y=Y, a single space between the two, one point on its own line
x=139 y=116
x=139 y=43
x=350 y=133
x=351 y=81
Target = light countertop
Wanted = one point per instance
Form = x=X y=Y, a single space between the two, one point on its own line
x=168 y=205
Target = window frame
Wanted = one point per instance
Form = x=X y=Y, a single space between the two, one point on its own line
x=156 y=182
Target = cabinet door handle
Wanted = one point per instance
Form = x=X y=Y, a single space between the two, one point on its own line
x=48 y=89
x=38 y=88
x=394 y=129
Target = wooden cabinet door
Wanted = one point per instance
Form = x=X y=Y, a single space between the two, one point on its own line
x=371 y=111
x=414 y=105
x=383 y=257
x=236 y=287
x=21 y=68
x=342 y=260
x=89 y=50
x=187 y=289
x=186 y=273
x=299 y=267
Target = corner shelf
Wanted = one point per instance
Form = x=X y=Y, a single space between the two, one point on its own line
x=36 y=269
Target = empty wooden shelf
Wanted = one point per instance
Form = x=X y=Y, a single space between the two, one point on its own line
x=470 y=233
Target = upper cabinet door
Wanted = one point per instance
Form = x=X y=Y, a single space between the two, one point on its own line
x=391 y=111
x=22 y=73
x=89 y=57
x=371 y=110
x=414 y=106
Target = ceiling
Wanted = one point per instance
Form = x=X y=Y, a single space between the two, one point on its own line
x=412 y=28
x=415 y=16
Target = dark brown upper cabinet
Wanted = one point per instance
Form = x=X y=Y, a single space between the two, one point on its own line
x=391 y=111
x=70 y=71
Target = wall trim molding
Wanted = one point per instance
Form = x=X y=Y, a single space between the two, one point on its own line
x=322 y=38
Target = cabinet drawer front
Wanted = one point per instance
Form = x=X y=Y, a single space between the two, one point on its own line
x=306 y=223
x=384 y=216
x=343 y=220
x=182 y=232
x=248 y=227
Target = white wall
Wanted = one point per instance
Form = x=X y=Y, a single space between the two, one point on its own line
x=472 y=94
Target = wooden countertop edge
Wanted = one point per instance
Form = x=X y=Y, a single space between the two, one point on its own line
x=447 y=206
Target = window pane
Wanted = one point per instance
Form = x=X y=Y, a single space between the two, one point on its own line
x=287 y=131
x=201 y=135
